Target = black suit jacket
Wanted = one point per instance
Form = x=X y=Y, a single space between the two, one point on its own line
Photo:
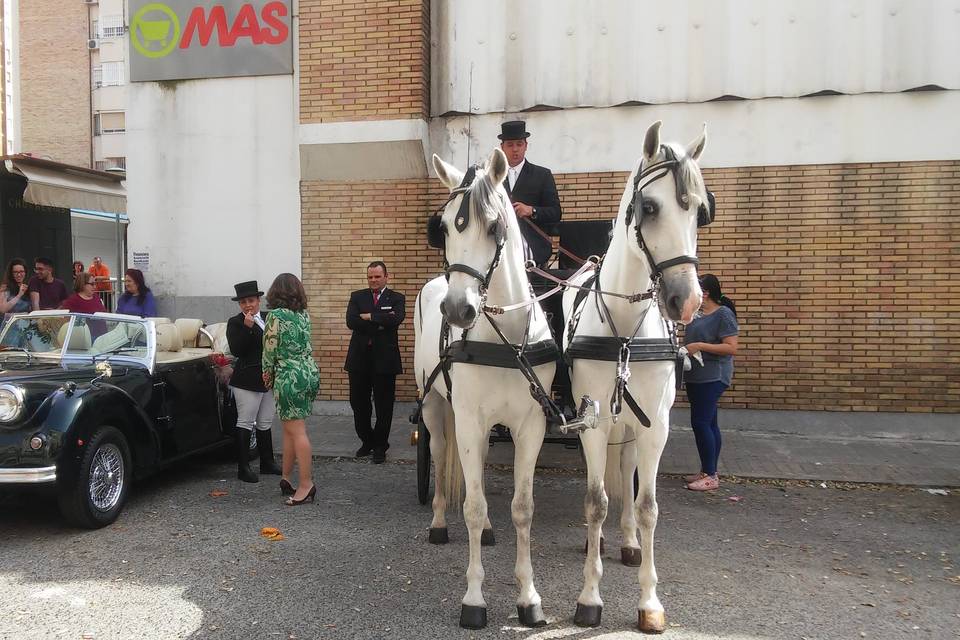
x=373 y=345
x=247 y=345
x=536 y=187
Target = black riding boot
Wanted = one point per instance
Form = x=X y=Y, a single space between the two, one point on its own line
x=242 y=439
x=265 y=446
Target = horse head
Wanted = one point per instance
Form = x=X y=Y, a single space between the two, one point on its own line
x=666 y=204
x=473 y=224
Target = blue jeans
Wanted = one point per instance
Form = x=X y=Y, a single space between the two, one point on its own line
x=703 y=398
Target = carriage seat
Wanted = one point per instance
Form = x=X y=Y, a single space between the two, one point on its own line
x=189 y=330
x=218 y=332
x=79 y=339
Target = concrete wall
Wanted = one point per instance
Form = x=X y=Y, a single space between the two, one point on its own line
x=212 y=188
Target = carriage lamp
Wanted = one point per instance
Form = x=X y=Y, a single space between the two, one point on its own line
x=11 y=402
x=37 y=442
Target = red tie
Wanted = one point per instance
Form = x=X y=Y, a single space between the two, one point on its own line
x=376 y=298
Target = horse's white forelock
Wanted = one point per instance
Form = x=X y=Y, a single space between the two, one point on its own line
x=485 y=197
x=687 y=169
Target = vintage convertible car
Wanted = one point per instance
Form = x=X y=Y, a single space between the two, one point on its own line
x=89 y=403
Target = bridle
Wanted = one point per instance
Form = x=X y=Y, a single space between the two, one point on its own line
x=704 y=213
x=436 y=233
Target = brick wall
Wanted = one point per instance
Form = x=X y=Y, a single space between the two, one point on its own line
x=364 y=60
x=845 y=276
x=55 y=80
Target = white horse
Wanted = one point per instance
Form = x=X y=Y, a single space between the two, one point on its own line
x=654 y=242
x=483 y=246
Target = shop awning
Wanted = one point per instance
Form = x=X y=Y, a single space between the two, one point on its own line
x=54 y=184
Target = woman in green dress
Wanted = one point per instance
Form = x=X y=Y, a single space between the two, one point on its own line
x=289 y=369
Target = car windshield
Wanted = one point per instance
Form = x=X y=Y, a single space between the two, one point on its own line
x=86 y=336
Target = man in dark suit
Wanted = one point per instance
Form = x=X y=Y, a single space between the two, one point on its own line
x=255 y=406
x=532 y=190
x=373 y=359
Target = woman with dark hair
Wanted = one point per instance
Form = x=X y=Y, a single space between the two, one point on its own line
x=289 y=369
x=713 y=334
x=84 y=298
x=13 y=290
x=137 y=299
x=77 y=268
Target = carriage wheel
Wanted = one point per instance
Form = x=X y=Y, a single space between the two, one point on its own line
x=423 y=462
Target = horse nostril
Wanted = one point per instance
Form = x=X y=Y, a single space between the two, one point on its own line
x=469 y=314
x=674 y=304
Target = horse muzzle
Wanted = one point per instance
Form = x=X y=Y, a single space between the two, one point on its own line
x=680 y=293
x=458 y=310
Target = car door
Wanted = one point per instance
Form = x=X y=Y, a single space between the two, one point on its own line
x=189 y=405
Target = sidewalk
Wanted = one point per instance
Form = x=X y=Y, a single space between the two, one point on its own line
x=746 y=453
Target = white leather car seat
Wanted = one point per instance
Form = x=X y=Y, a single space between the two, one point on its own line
x=79 y=339
x=168 y=338
x=189 y=330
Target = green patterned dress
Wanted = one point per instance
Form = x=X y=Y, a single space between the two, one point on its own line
x=288 y=359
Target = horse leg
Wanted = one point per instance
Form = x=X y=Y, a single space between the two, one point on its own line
x=435 y=415
x=651 y=617
x=487 y=538
x=630 y=548
x=527 y=448
x=589 y=603
x=471 y=442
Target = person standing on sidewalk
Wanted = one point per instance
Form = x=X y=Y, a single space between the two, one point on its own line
x=713 y=334
x=290 y=370
x=373 y=359
x=255 y=406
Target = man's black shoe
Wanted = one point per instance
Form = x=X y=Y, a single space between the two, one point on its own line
x=364 y=451
x=379 y=456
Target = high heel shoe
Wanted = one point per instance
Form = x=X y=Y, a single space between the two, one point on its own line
x=311 y=495
x=286 y=489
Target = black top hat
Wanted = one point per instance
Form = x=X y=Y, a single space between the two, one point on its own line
x=514 y=130
x=246 y=290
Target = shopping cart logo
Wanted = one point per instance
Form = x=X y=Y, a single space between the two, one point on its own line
x=155 y=30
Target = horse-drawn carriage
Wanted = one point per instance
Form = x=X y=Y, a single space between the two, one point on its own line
x=486 y=355
x=579 y=242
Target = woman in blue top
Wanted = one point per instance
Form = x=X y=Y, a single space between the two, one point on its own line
x=712 y=334
x=137 y=300
x=13 y=294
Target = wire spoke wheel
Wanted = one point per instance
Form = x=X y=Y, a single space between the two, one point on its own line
x=107 y=475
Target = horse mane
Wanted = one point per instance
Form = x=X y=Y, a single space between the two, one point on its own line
x=485 y=196
x=687 y=169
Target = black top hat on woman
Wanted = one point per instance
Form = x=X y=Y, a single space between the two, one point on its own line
x=246 y=290
x=514 y=130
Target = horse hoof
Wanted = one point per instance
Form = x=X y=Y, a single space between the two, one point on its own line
x=588 y=615
x=487 y=539
x=651 y=621
x=439 y=535
x=630 y=556
x=473 y=617
x=531 y=615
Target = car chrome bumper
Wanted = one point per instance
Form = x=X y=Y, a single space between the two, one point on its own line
x=28 y=475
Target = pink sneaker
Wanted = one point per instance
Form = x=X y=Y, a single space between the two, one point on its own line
x=706 y=483
x=693 y=477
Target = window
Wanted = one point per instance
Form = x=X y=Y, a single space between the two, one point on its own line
x=108 y=74
x=110 y=27
x=109 y=122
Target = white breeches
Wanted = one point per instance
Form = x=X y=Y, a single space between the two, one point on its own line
x=254 y=409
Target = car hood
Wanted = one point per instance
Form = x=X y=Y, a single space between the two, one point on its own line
x=18 y=371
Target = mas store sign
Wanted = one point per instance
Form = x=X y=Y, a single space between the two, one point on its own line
x=182 y=39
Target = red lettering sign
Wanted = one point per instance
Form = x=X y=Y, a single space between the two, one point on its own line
x=245 y=25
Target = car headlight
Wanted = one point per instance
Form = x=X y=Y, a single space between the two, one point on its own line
x=11 y=402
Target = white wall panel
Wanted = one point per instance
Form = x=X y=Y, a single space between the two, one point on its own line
x=570 y=53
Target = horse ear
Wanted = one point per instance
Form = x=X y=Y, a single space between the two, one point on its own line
x=497 y=166
x=695 y=148
x=651 y=142
x=449 y=175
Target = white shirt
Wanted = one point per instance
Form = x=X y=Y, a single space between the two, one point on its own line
x=514 y=172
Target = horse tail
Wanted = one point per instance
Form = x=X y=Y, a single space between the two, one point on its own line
x=452 y=471
x=612 y=476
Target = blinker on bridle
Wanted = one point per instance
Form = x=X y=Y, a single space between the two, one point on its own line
x=435 y=232
x=705 y=213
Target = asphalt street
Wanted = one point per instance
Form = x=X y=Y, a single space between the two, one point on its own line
x=784 y=560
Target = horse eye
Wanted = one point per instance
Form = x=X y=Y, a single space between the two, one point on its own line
x=650 y=208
